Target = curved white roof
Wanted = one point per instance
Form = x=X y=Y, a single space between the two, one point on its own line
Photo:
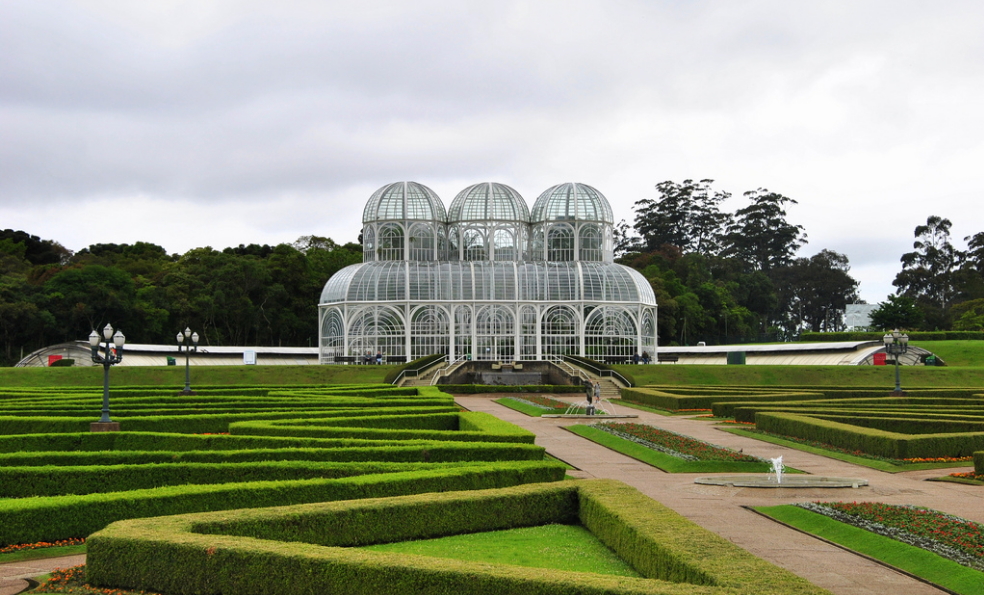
x=572 y=202
x=401 y=201
x=488 y=281
x=488 y=201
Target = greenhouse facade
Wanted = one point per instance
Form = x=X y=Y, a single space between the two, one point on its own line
x=487 y=279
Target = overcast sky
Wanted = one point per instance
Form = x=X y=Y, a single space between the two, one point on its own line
x=220 y=122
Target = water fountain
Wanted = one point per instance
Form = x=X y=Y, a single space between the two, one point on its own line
x=777 y=468
x=778 y=479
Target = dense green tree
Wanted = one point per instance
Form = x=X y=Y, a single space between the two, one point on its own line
x=760 y=236
x=815 y=291
x=897 y=312
x=686 y=215
x=928 y=272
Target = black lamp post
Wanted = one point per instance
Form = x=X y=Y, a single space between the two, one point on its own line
x=896 y=344
x=110 y=356
x=189 y=341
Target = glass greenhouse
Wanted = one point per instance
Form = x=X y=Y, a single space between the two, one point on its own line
x=488 y=278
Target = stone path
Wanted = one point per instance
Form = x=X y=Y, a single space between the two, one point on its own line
x=720 y=509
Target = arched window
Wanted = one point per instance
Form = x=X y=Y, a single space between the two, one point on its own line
x=332 y=336
x=463 y=332
x=610 y=333
x=495 y=333
x=474 y=242
x=391 y=242
x=429 y=332
x=505 y=248
x=559 y=330
x=527 y=332
x=422 y=242
x=377 y=329
x=590 y=244
x=536 y=244
x=369 y=243
x=560 y=243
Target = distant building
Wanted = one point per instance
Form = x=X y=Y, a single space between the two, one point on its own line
x=487 y=279
x=857 y=316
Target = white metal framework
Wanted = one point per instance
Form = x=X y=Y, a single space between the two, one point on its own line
x=489 y=280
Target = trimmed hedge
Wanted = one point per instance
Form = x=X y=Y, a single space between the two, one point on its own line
x=461 y=426
x=270 y=551
x=29 y=520
x=674 y=401
x=812 y=337
x=872 y=441
x=979 y=462
x=49 y=480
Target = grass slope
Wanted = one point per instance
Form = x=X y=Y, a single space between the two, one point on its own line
x=163 y=376
x=663 y=461
x=561 y=547
x=41 y=553
x=919 y=562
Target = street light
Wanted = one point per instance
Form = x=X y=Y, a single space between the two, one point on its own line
x=183 y=340
x=112 y=355
x=896 y=344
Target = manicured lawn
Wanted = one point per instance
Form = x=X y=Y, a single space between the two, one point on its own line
x=956 y=353
x=919 y=562
x=561 y=547
x=880 y=465
x=663 y=461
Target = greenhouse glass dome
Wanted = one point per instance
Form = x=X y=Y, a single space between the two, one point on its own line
x=488 y=280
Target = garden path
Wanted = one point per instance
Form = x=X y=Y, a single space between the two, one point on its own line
x=720 y=509
x=14 y=574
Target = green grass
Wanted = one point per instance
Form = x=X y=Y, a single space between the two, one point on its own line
x=560 y=547
x=663 y=461
x=880 y=465
x=526 y=408
x=919 y=562
x=640 y=407
x=41 y=553
x=956 y=353
x=164 y=376
x=808 y=376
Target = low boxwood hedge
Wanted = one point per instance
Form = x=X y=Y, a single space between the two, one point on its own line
x=29 y=520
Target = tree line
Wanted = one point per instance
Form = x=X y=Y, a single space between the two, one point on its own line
x=718 y=277
x=248 y=295
x=731 y=277
x=735 y=277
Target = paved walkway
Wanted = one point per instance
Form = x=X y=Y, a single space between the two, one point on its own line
x=13 y=576
x=719 y=508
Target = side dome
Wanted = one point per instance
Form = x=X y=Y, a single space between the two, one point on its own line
x=572 y=202
x=402 y=201
x=488 y=201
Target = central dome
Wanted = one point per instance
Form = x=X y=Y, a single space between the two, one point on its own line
x=572 y=202
x=488 y=201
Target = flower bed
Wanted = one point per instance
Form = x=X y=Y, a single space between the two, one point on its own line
x=951 y=537
x=674 y=444
x=72 y=581
x=21 y=547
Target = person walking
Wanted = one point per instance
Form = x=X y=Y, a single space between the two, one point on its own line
x=597 y=395
x=589 y=395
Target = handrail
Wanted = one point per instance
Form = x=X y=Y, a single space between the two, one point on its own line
x=446 y=370
x=572 y=370
x=604 y=372
x=416 y=371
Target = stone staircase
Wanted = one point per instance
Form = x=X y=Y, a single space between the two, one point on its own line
x=609 y=388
